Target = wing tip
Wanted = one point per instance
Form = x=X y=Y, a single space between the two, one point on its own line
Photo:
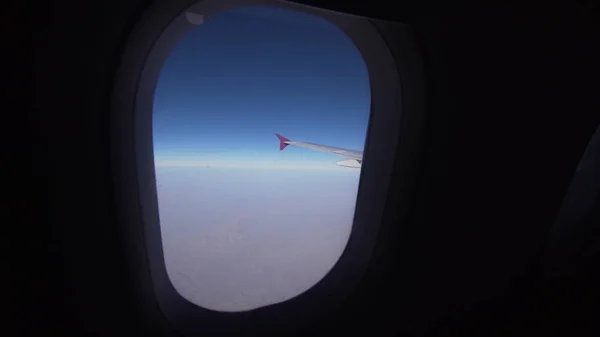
x=282 y=142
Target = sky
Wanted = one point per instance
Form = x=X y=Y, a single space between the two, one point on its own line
x=244 y=224
x=248 y=73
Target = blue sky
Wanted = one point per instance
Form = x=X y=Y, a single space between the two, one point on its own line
x=248 y=73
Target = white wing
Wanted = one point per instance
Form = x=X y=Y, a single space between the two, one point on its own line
x=351 y=154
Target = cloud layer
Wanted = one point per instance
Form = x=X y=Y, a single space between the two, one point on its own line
x=237 y=239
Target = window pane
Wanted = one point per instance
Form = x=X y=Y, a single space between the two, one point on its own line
x=243 y=223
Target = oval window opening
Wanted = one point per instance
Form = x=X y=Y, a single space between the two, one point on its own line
x=248 y=218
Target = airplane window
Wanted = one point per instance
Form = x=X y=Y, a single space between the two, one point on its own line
x=259 y=124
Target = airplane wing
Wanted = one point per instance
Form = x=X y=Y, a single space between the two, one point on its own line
x=354 y=157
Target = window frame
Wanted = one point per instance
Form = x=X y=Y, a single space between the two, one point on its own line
x=161 y=27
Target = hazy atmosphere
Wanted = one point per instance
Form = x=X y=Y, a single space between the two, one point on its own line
x=243 y=223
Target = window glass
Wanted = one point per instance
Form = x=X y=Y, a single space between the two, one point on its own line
x=247 y=218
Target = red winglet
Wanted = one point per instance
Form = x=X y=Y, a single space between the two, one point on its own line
x=282 y=141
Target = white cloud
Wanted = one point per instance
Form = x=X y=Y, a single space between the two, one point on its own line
x=237 y=239
x=249 y=164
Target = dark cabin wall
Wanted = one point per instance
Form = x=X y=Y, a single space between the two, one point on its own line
x=511 y=105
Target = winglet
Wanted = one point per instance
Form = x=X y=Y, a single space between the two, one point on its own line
x=282 y=141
